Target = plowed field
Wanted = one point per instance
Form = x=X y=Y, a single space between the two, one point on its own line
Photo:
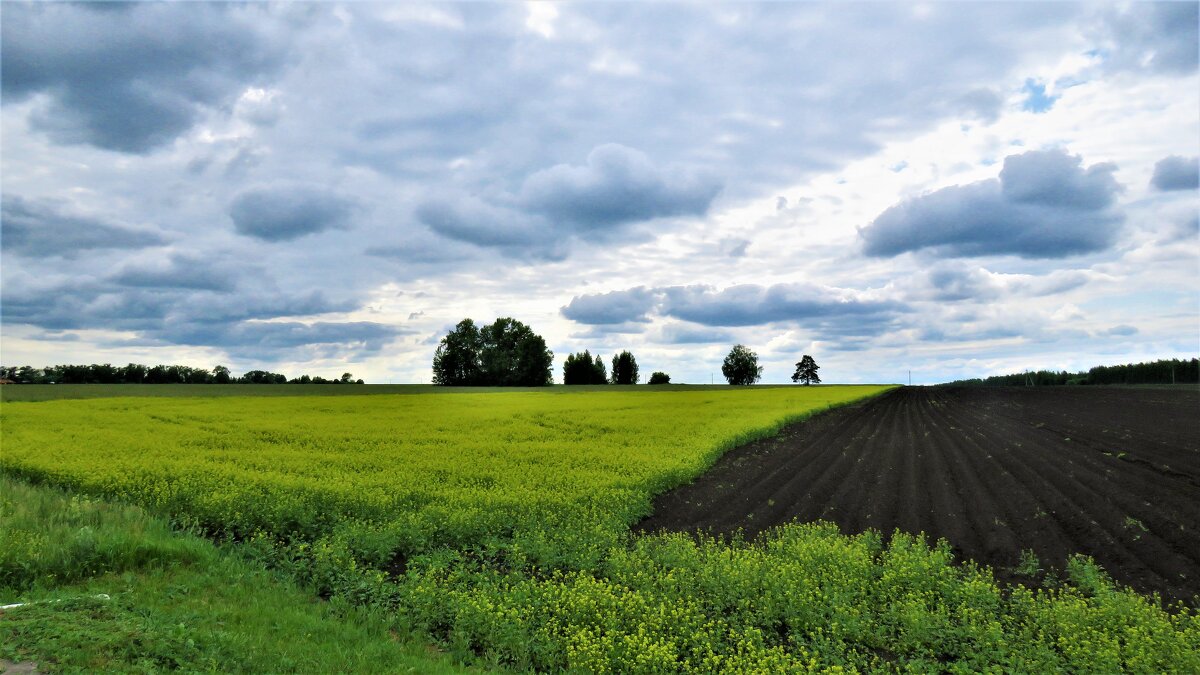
x=1110 y=472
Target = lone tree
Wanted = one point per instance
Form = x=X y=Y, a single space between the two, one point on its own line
x=806 y=371
x=624 y=369
x=581 y=368
x=506 y=353
x=659 y=377
x=741 y=366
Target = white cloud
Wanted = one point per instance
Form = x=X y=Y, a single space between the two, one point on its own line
x=539 y=18
x=473 y=156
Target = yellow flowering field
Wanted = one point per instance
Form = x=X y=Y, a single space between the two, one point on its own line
x=497 y=523
x=450 y=467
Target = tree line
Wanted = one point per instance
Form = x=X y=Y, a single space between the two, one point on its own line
x=136 y=373
x=1162 y=371
x=508 y=353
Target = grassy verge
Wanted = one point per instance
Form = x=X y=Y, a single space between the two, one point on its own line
x=175 y=601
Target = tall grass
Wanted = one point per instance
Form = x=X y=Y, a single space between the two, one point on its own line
x=48 y=537
x=109 y=588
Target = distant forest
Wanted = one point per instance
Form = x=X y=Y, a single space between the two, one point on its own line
x=1163 y=371
x=135 y=373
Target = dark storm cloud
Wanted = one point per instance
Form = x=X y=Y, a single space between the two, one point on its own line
x=1044 y=205
x=134 y=77
x=44 y=228
x=616 y=307
x=288 y=212
x=1176 y=173
x=617 y=185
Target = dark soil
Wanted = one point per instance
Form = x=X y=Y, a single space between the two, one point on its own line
x=1111 y=472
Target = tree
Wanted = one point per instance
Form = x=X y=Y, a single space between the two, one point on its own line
x=347 y=378
x=514 y=356
x=581 y=368
x=221 y=375
x=30 y=375
x=624 y=369
x=741 y=366
x=806 y=371
x=456 y=362
x=197 y=376
x=599 y=372
x=504 y=354
x=659 y=377
x=262 y=377
x=103 y=373
x=157 y=375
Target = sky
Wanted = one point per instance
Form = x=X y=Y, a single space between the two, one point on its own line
x=948 y=190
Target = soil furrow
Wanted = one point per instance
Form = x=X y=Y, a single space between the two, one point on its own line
x=990 y=470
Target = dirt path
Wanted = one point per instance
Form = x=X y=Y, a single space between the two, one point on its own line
x=1110 y=472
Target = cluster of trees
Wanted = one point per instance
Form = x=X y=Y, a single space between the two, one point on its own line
x=582 y=368
x=1162 y=371
x=136 y=373
x=506 y=353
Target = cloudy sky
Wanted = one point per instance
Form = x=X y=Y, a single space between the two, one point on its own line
x=952 y=189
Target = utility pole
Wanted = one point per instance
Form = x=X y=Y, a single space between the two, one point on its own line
x=910 y=378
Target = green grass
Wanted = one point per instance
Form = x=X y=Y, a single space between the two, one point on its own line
x=175 y=601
